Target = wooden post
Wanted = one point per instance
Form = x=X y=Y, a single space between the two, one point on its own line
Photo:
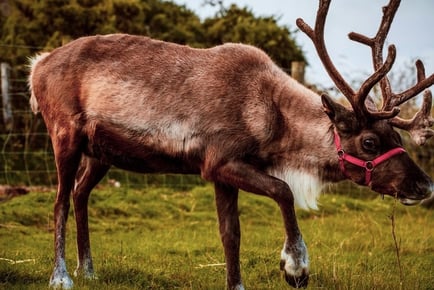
x=297 y=70
x=6 y=101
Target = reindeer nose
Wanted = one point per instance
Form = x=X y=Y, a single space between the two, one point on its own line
x=431 y=192
x=422 y=193
x=429 y=200
x=426 y=190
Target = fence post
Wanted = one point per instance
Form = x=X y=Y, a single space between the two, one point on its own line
x=297 y=70
x=6 y=101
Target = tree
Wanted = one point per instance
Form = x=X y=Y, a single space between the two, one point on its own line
x=236 y=24
x=35 y=25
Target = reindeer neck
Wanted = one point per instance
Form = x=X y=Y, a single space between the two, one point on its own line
x=307 y=144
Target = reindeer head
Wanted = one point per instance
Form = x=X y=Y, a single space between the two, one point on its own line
x=369 y=149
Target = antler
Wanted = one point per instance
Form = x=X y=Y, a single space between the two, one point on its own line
x=419 y=125
x=356 y=99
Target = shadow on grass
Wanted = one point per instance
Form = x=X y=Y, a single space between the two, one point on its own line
x=131 y=278
x=18 y=279
x=128 y=278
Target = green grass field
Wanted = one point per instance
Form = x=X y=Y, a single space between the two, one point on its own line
x=161 y=238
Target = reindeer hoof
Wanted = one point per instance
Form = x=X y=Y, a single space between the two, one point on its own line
x=61 y=282
x=86 y=274
x=299 y=281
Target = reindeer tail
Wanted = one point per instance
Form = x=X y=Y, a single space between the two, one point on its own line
x=32 y=65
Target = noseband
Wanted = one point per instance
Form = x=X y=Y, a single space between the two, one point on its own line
x=368 y=165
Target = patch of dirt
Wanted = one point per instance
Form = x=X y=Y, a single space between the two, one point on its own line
x=7 y=192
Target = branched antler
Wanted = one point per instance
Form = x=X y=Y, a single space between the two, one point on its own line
x=377 y=43
x=419 y=125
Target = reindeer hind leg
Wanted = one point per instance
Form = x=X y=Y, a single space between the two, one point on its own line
x=66 y=145
x=90 y=172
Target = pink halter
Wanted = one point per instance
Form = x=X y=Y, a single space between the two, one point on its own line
x=368 y=165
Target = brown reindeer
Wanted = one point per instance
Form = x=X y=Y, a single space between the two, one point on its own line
x=229 y=114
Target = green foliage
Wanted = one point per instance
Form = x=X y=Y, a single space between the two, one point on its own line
x=240 y=25
x=35 y=25
x=165 y=239
x=170 y=22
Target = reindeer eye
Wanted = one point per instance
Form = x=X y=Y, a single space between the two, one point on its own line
x=369 y=145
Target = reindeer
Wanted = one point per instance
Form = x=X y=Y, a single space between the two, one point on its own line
x=229 y=114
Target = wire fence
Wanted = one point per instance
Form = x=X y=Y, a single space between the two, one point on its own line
x=27 y=160
x=25 y=165
x=26 y=155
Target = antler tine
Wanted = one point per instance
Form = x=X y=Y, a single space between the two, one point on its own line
x=420 y=70
x=419 y=126
x=422 y=83
x=378 y=76
x=317 y=37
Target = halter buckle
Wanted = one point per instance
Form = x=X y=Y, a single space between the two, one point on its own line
x=369 y=165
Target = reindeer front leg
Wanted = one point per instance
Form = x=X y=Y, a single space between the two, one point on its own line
x=294 y=259
x=229 y=226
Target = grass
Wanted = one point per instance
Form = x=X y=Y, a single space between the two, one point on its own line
x=160 y=238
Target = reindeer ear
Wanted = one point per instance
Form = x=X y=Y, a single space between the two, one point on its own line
x=343 y=119
x=331 y=108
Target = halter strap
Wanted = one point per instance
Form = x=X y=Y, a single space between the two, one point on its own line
x=368 y=165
